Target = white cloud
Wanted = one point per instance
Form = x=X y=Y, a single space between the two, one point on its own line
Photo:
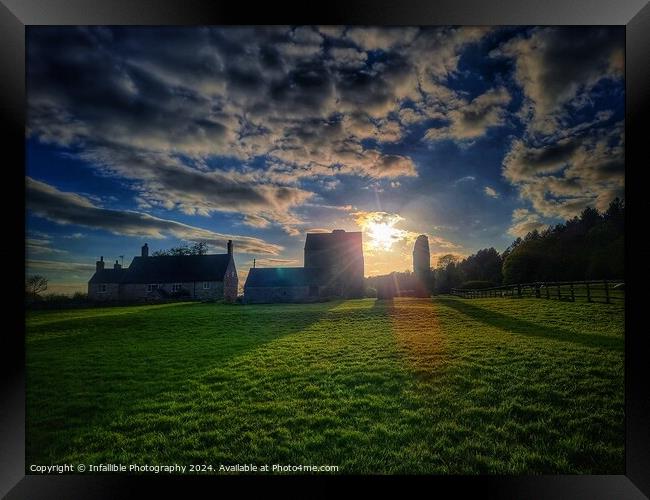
x=561 y=179
x=490 y=192
x=524 y=221
x=470 y=120
x=560 y=65
x=61 y=207
x=369 y=38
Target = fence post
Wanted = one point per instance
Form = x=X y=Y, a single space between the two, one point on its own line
x=573 y=297
x=588 y=292
x=606 y=291
x=548 y=292
x=518 y=290
x=559 y=293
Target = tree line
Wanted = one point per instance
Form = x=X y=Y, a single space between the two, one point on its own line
x=197 y=248
x=586 y=247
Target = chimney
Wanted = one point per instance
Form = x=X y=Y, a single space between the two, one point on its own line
x=229 y=247
x=145 y=250
x=117 y=265
x=99 y=265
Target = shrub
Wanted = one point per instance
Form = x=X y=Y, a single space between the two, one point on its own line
x=56 y=298
x=476 y=285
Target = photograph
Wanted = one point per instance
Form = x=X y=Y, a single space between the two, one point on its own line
x=325 y=250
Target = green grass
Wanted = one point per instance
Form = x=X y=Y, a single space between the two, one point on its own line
x=497 y=386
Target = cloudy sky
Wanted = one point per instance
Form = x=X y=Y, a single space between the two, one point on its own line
x=470 y=135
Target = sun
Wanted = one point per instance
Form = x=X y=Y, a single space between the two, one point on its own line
x=382 y=235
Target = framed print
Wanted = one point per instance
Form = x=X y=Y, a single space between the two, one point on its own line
x=387 y=241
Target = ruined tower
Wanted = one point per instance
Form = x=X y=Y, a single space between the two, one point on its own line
x=422 y=266
x=338 y=256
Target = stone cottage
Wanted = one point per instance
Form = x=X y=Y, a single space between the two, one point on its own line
x=150 y=279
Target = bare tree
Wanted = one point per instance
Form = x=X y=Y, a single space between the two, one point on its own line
x=35 y=285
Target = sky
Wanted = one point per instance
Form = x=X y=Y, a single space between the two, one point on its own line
x=471 y=135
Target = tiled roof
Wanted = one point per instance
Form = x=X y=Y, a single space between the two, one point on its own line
x=283 y=276
x=108 y=276
x=167 y=269
x=320 y=241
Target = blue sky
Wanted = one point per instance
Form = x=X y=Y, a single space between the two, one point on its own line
x=471 y=135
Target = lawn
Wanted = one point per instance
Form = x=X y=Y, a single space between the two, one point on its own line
x=443 y=386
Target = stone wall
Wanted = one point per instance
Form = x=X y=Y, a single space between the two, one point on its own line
x=193 y=290
x=112 y=291
x=136 y=292
x=215 y=292
x=272 y=294
x=343 y=266
x=231 y=283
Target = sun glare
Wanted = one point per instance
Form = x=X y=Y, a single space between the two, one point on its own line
x=382 y=235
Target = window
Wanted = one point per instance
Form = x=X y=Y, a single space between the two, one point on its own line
x=176 y=287
x=102 y=288
x=152 y=288
x=206 y=285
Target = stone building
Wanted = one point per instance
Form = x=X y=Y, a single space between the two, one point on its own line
x=150 y=279
x=333 y=268
x=283 y=284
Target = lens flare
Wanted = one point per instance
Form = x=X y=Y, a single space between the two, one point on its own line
x=383 y=235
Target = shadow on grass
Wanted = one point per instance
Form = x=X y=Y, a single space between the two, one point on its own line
x=88 y=371
x=521 y=327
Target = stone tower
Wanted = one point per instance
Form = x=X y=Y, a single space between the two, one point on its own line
x=339 y=258
x=422 y=265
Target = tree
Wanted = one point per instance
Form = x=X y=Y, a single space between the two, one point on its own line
x=197 y=248
x=590 y=246
x=615 y=213
x=589 y=218
x=446 y=260
x=447 y=275
x=484 y=265
x=35 y=285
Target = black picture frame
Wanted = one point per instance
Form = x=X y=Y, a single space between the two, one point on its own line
x=15 y=15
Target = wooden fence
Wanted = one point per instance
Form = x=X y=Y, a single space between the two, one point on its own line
x=606 y=291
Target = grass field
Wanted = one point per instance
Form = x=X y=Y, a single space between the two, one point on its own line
x=442 y=385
